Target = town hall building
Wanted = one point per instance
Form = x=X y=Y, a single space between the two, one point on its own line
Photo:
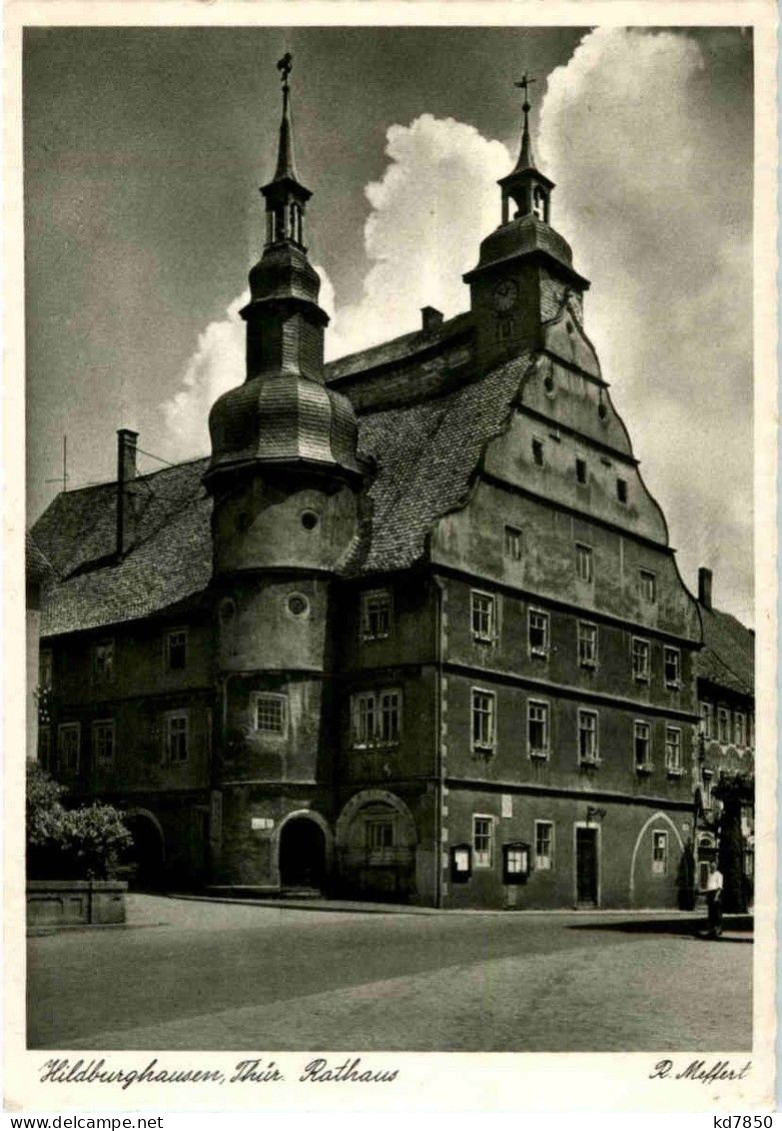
x=413 y=631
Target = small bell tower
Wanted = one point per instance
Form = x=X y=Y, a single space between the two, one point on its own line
x=525 y=268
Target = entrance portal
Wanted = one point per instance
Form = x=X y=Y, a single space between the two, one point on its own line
x=302 y=854
x=147 y=854
x=586 y=867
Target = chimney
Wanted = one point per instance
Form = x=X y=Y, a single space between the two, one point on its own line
x=126 y=490
x=704 y=587
x=431 y=319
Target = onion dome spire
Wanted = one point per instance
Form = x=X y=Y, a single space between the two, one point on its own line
x=284 y=414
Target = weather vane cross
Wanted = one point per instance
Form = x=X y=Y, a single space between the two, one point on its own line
x=285 y=66
x=525 y=83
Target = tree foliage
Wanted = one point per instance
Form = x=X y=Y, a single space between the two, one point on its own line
x=84 y=843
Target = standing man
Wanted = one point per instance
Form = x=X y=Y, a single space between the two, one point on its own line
x=714 y=900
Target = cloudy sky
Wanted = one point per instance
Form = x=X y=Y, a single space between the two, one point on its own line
x=144 y=150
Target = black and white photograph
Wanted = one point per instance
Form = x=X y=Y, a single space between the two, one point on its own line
x=397 y=473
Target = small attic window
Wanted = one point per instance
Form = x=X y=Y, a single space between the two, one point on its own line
x=621 y=490
x=581 y=470
x=537 y=452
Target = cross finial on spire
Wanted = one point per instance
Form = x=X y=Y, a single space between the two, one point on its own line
x=285 y=66
x=524 y=84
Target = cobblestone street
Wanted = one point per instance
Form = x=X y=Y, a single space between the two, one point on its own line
x=203 y=975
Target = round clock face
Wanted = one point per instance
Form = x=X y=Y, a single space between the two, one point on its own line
x=505 y=295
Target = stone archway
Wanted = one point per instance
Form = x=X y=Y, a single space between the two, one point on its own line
x=148 y=854
x=376 y=844
x=656 y=818
x=302 y=850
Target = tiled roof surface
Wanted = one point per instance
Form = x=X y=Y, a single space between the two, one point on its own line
x=37 y=566
x=728 y=655
x=170 y=558
x=397 y=349
x=425 y=455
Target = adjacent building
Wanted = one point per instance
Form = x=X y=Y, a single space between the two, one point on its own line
x=726 y=700
x=414 y=630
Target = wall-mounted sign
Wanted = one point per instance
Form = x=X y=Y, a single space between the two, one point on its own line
x=507 y=805
x=461 y=863
x=261 y=823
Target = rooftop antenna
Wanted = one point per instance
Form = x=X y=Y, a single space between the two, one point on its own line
x=64 y=477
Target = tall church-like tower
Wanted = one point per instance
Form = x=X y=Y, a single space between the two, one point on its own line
x=285 y=479
x=525 y=268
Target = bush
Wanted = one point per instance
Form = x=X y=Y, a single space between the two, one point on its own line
x=83 y=843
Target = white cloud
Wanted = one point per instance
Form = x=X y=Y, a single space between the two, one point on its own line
x=647 y=202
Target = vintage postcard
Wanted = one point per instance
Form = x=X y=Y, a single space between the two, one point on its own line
x=389 y=446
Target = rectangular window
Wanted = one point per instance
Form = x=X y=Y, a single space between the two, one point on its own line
x=643 y=746
x=707 y=720
x=672 y=662
x=538 y=633
x=483 y=609
x=723 y=725
x=103 y=661
x=587 y=644
x=581 y=470
x=45 y=668
x=68 y=743
x=537 y=452
x=483 y=721
x=583 y=562
x=587 y=736
x=659 y=853
x=538 y=728
x=376 y=614
x=45 y=747
x=364 y=713
x=176 y=737
x=176 y=651
x=103 y=742
x=379 y=834
x=647 y=586
x=271 y=713
x=377 y=717
x=673 y=750
x=389 y=717
x=544 y=846
x=482 y=841
x=621 y=490
x=513 y=543
x=739 y=729
x=641 y=658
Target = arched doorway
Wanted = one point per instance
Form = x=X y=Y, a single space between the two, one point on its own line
x=302 y=854
x=147 y=855
x=376 y=839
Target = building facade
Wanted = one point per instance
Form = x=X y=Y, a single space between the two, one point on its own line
x=414 y=631
x=726 y=700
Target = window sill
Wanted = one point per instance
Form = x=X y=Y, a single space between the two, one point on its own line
x=673 y=686
x=538 y=653
x=590 y=665
x=589 y=761
x=539 y=755
x=644 y=768
x=489 y=640
x=370 y=639
x=483 y=752
x=674 y=772
x=641 y=678
x=374 y=747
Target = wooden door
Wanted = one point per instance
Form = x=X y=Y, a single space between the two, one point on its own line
x=586 y=867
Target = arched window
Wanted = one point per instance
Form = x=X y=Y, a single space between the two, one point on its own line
x=539 y=203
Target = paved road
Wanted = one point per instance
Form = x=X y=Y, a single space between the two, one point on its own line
x=220 y=976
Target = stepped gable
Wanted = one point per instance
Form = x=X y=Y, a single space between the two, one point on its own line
x=728 y=655
x=170 y=559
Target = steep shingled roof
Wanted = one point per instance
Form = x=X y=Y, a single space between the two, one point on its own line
x=171 y=557
x=425 y=456
x=728 y=655
x=397 y=349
